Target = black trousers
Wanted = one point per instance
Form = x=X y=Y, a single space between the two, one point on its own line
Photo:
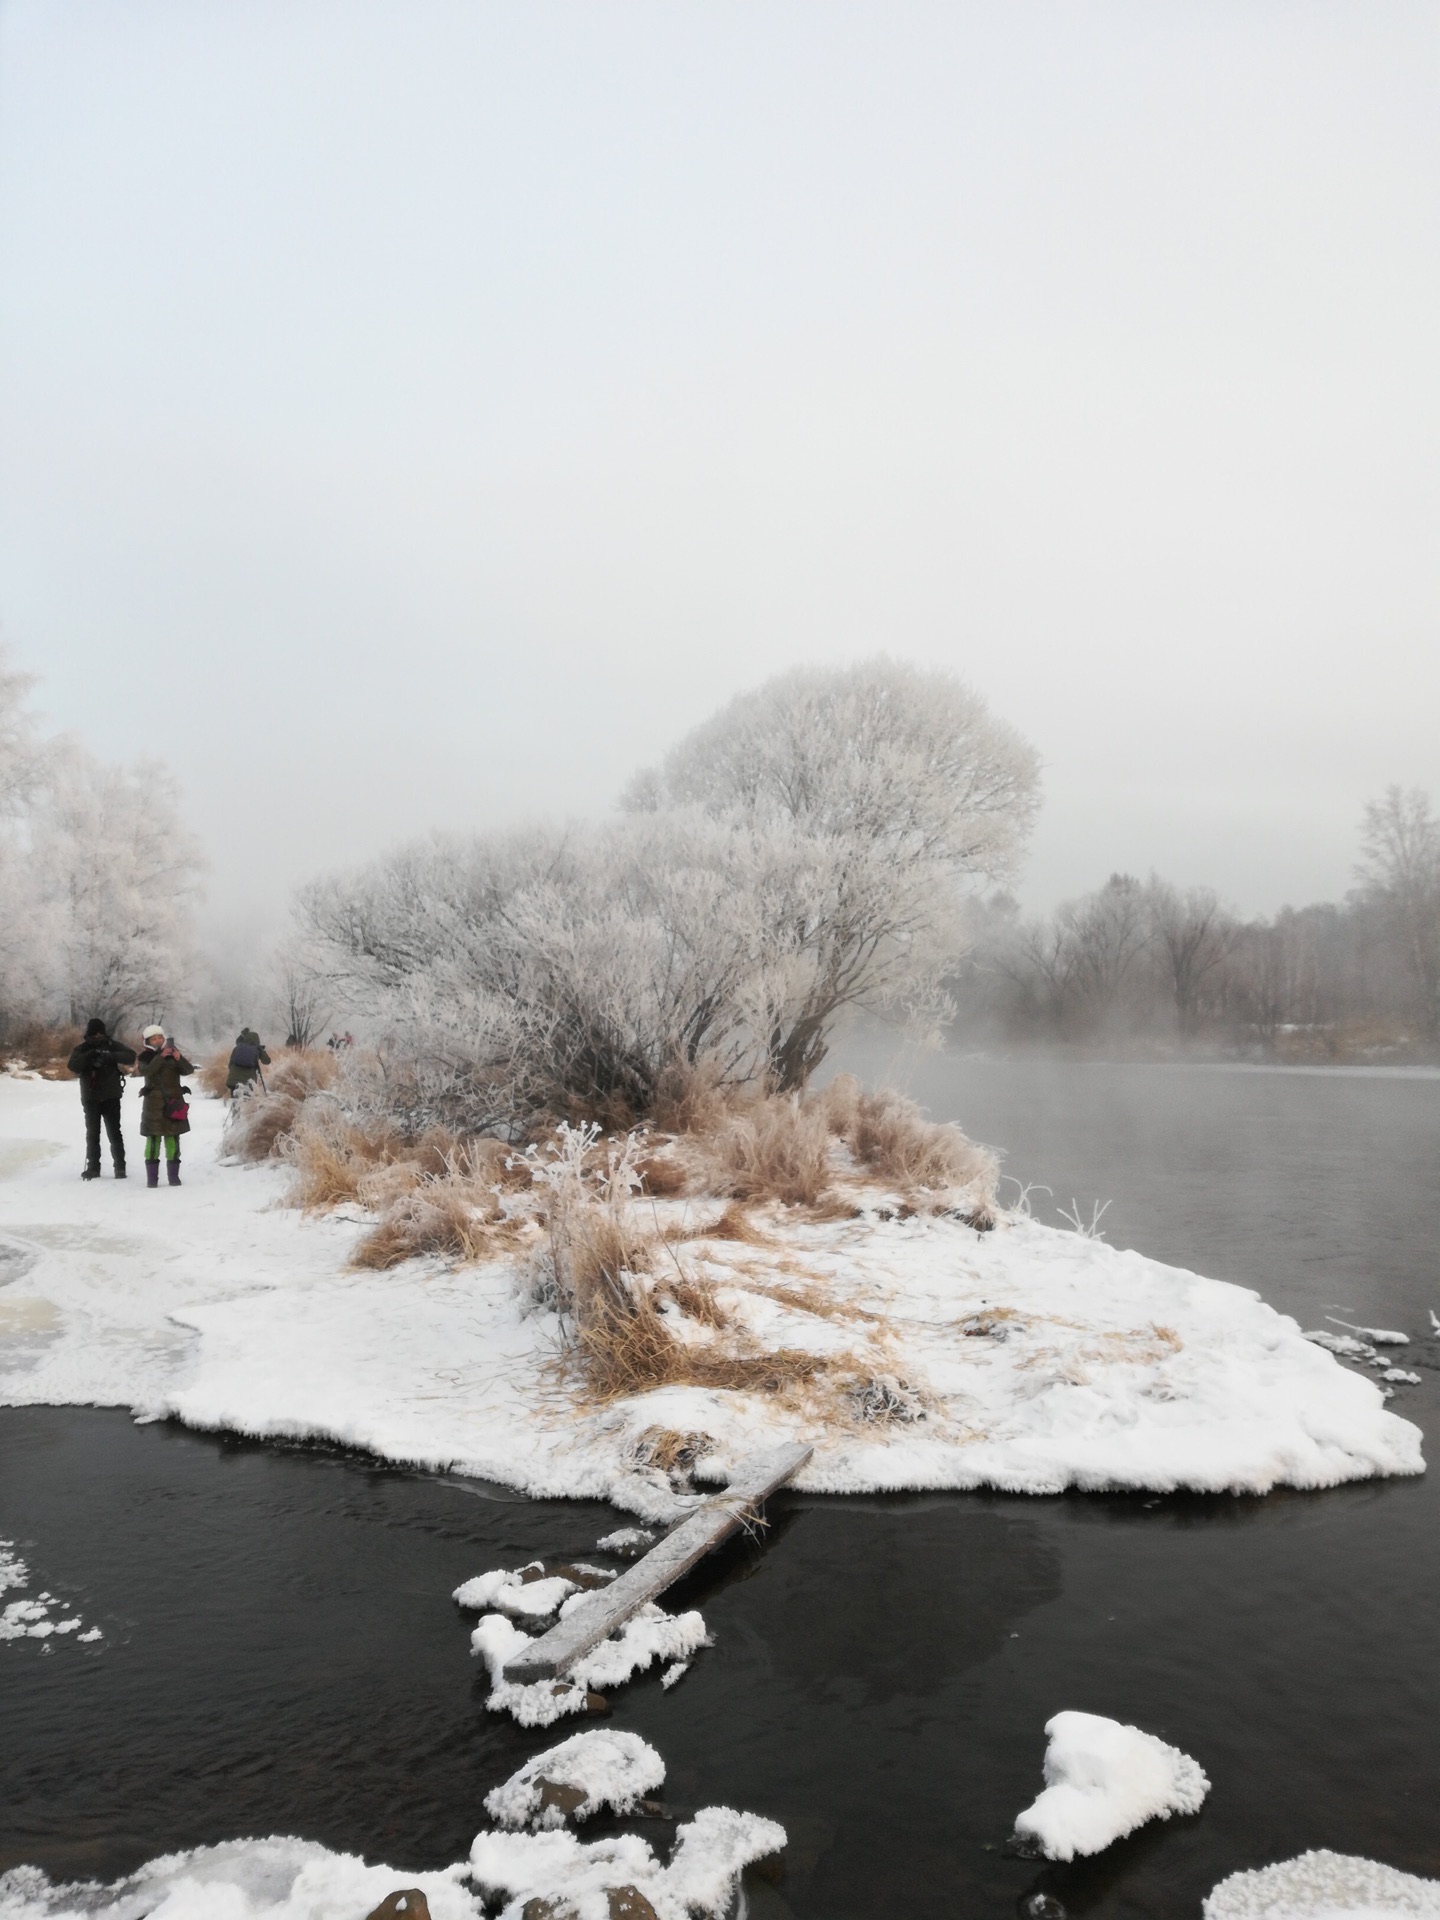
x=109 y=1112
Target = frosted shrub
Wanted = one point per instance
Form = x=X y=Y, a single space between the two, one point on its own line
x=806 y=851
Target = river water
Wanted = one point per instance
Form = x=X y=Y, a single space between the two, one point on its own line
x=281 y=1654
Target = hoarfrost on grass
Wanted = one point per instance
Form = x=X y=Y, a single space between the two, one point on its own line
x=1323 y=1886
x=1102 y=1780
x=610 y=1768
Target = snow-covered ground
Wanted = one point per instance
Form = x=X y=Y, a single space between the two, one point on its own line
x=1025 y=1359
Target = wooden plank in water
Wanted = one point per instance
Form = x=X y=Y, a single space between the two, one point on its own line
x=755 y=1479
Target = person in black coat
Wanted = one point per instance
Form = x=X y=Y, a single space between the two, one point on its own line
x=97 y=1062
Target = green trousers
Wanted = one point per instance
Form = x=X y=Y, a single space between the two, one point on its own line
x=152 y=1146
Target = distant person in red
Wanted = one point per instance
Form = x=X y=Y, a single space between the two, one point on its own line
x=97 y=1062
x=165 y=1109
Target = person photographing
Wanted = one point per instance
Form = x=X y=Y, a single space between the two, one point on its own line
x=247 y=1057
x=165 y=1107
x=96 y=1062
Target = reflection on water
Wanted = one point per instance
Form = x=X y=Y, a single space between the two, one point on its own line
x=282 y=1654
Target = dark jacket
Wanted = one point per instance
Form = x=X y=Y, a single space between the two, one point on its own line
x=246 y=1059
x=163 y=1093
x=98 y=1062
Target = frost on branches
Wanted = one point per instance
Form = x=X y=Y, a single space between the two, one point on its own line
x=807 y=850
x=98 y=878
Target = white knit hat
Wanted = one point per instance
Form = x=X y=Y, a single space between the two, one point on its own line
x=153 y=1033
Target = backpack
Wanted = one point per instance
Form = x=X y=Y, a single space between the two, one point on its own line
x=245 y=1056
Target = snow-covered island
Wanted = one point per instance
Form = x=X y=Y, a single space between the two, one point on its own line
x=919 y=1351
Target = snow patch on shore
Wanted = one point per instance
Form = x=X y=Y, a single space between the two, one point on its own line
x=1102 y=1780
x=1037 y=1360
x=274 y=1879
x=1322 y=1886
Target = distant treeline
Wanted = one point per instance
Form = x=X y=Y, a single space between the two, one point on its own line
x=1146 y=962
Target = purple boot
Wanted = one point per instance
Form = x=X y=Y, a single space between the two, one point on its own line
x=172 y=1171
x=152 y=1173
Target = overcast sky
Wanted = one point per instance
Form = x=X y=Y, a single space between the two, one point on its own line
x=419 y=414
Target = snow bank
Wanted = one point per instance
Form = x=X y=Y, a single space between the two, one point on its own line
x=710 y=1852
x=275 y=1879
x=1036 y=1360
x=647 y=1636
x=1322 y=1886
x=1104 y=1779
x=606 y=1768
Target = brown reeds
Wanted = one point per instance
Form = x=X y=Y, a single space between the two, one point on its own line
x=35 y=1047
x=888 y=1135
x=435 y=1217
x=777 y=1148
x=212 y=1073
x=756 y=1145
x=260 y=1124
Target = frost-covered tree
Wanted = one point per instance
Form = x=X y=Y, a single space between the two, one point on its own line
x=22 y=761
x=22 y=755
x=807 y=852
x=553 y=972
x=897 y=790
x=1400 y=869
x=1192 y=936
x=111 y=884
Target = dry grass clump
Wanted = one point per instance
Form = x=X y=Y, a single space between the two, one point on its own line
x=755 y=1145
x=438 y=1195
x=212 y=1072
x=260 y=1125
x=35 y=1047
x=775 y=1148
x=444 y=1217
x=888 y=1134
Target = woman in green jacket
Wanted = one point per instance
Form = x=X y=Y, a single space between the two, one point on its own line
x=164 y=1110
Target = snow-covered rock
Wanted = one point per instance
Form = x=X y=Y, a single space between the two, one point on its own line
x=1102 y=1780
x=512 y=1594
x=606 y=1768
x=647 y=1636
x=1323 y=1886
x=710 y=1852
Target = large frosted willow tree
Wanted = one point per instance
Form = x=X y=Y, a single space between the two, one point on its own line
x=896 y=789
x=805 y=851
x=97 y=880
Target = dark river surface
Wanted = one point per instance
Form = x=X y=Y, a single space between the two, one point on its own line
x=281 y=1653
